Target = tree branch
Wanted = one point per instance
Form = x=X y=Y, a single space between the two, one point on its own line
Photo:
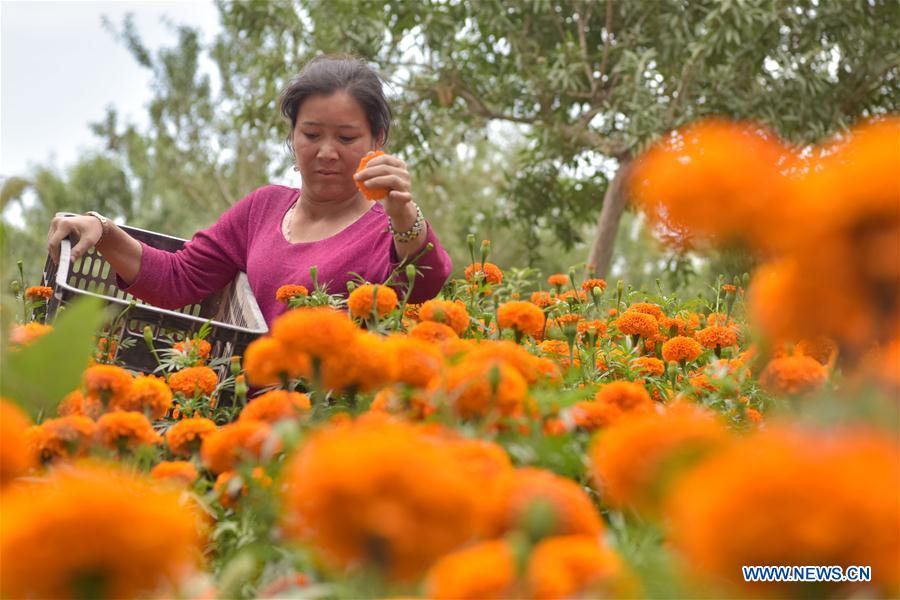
x=582 y=41
x=606 y=42
x=477 y=107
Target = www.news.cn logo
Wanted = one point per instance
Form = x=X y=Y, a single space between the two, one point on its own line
x=806 y=573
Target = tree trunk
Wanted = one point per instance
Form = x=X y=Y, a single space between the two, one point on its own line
x=614 y=202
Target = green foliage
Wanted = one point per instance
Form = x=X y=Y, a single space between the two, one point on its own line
x=40 y=374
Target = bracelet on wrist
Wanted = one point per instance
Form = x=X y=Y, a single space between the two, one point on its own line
x=411 y=233
x=104 y=223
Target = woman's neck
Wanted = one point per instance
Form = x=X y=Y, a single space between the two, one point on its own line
x=313 y=210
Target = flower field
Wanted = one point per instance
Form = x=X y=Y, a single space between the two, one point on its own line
x=521 y=436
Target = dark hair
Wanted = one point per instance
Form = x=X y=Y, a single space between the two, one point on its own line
x=329 y=74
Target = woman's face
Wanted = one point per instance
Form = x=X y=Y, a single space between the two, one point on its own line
x=331 y=136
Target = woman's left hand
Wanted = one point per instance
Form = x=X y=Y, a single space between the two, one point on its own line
x=388 y=171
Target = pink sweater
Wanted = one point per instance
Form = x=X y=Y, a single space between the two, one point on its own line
x=248 y=238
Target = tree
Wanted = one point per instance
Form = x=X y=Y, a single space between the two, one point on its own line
x=95 y=182
x=591 y=79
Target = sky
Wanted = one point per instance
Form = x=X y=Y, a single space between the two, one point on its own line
x=60 y=70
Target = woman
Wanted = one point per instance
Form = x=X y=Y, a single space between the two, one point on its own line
x=338 y=115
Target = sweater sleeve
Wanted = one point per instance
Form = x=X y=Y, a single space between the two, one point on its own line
x=208 y=262
x=434 y=267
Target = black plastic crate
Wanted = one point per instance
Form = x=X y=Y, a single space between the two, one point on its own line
x=235 y=316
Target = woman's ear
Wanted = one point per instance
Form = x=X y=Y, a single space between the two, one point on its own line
x=379 y=140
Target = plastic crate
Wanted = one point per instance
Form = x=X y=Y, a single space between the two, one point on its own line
x=235 y=316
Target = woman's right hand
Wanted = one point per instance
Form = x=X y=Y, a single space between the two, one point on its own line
x=83 y=229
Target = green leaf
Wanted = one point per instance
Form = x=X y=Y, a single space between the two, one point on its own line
x=39 y=375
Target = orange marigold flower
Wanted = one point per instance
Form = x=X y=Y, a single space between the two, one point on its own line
x=793 y=375
x=596 y=326
x=60 y=438
x=649 y=365
x=318 y=332
x=488 y=272
x=717 y=336
x=275 y=406
x=482 y=460
x=558 y=350
x=201 y=347
x=554 y=426
x=715 y=319
x=558 y=280
x=370 y=193
x=677 y=326
x=194 y=380
x=365 y=365
x=510 y=353
x=636 y=460
x=180 y=471
x=106 y=350
x=543 y=299
x=682 y=181
x=108 y=383
x=286 y=292
x=821 y=348
x=376 y=492
x=478 y=388
x=702 y=382
x=637 y=323
x=412 y=311
x=589 y=284
x=577 y=566
x=484 y=571
x=15 y=458
x=569 y=319
x=231 y=486
x=624 y=397
x=96 y=529
x=648 y=309
x=517 y=492
x=185 y=436
x=836 y=496
x=754 y=416
x=198 y=348
x=431 y=331
x=524 y=318
x=591 y=416
x=361 y=300
x=453 y=314
x=224 y=448
x=729 y=289
x=39 y=291
x=148 y=395
x=414 y=404
x=117 y=430
x=417 y=361
x=22 y=335
x=267 y=361
x=681 y=348
x=75 y=403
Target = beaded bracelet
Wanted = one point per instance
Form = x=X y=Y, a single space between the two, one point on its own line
x=412 y=233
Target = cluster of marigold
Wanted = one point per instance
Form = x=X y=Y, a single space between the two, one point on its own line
x=825 y=219
x=436 y=371
x=432 y=371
